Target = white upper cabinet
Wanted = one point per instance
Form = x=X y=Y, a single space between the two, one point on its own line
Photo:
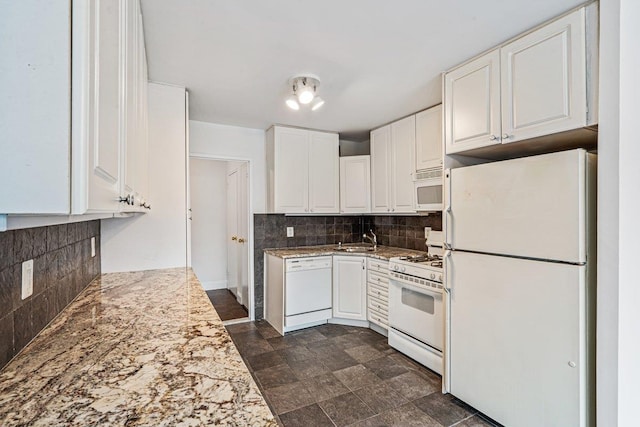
x=429 y=138
x=539 y=84
x=380 y=144
x=355 y=184
x=472 y=103
x=324 y=172
x=105 y=154
x=403 y=143
x=75 y=133
x=303 y=171
x=544 y=86
x=392 y=167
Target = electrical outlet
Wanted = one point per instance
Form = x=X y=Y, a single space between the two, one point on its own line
x=27 y=279
x=93 y=247
x=289 y=231
x=427 y=230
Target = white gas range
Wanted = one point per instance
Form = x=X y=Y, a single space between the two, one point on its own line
x=416 y=309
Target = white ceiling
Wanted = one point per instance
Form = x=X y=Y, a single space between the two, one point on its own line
x=378 y=60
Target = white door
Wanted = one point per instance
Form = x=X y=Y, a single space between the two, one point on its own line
x=472 y=104
x=403 y=145
x=355 y=184
x=232 y=233
x=544 y=80
x=536 y=205
x=243 y=234
x=324 y=173
x=381 y=169
x=518 y=341
x=349 y=287
x=429 y=138
x=104 y=147
x=292 y=166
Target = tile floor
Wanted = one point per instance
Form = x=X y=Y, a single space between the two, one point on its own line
x=226 y=304
x=333 y=375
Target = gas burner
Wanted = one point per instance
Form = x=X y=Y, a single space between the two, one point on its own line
x=433 y=259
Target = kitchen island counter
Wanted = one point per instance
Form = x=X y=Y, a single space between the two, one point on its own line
x=141 y=348
x=383 y=252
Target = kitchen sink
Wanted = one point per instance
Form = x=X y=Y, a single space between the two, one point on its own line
x=355 y=249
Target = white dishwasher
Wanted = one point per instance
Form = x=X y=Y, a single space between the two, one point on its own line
x=307 y=290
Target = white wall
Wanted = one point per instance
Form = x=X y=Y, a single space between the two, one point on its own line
x=237 y=143
x=618 y=346
x=156 y=239
x=208 y=181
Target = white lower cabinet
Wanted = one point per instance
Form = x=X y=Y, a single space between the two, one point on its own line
x=349 y=287
x=378 y=292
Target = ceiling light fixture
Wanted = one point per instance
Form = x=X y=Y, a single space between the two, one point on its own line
x=305 y=89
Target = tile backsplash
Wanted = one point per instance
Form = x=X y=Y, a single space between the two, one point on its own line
x=270 y=231
x=62 y=267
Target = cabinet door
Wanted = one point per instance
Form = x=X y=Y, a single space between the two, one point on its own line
x=472 y=104
x=355 y=184
x=130 y=105
x=324 y=172
x=381 y=169
x=292 y=170
x=105 y=145
x=349 y=287
x=403 y=143
x=544 y=80
x=142 y=156
x=429 y=138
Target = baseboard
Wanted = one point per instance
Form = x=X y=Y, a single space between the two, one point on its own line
x=211 y=285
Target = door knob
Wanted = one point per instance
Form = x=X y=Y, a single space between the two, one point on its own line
x=234 y=238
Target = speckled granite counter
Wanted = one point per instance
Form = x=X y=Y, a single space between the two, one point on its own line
x=143 y=348
x=383 y=252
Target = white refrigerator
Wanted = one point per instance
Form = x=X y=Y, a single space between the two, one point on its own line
x=520 y=278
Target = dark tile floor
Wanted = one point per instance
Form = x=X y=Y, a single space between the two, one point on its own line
x=226 y=304
x=333 y=375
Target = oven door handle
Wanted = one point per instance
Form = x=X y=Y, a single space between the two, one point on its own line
x=402 y=284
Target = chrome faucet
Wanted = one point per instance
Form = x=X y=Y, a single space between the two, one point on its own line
x=374 y=240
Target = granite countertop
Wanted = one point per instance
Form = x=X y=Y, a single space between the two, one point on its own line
x=383 y=252
x=142 y=348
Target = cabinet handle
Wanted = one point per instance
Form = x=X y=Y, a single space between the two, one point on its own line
x=241 y=240
x=128 y=200
x=234 y=238
x=506 y=136
x=493 y=138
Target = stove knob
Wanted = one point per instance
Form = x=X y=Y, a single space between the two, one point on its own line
x=440 y=277
x=403 y=269
x=432 y=276
x=395 y=268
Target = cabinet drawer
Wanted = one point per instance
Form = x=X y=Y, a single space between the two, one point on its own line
x=379 y=292
x=378 y=278
x=378 y=319
x=378 y=305
x=378 y=265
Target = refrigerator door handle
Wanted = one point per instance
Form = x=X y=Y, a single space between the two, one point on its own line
x=447 y=210
x=446 y=261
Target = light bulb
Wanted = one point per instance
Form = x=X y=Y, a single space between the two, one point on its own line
x=306 y=95
x=292 y=103
x=317 y=103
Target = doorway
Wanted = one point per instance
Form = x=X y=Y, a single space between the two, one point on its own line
x=220 y=234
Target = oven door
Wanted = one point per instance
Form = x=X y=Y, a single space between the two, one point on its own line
x=417 y=312
x=429 y=194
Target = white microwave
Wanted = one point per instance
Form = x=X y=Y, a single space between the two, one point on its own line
x=429 y=190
